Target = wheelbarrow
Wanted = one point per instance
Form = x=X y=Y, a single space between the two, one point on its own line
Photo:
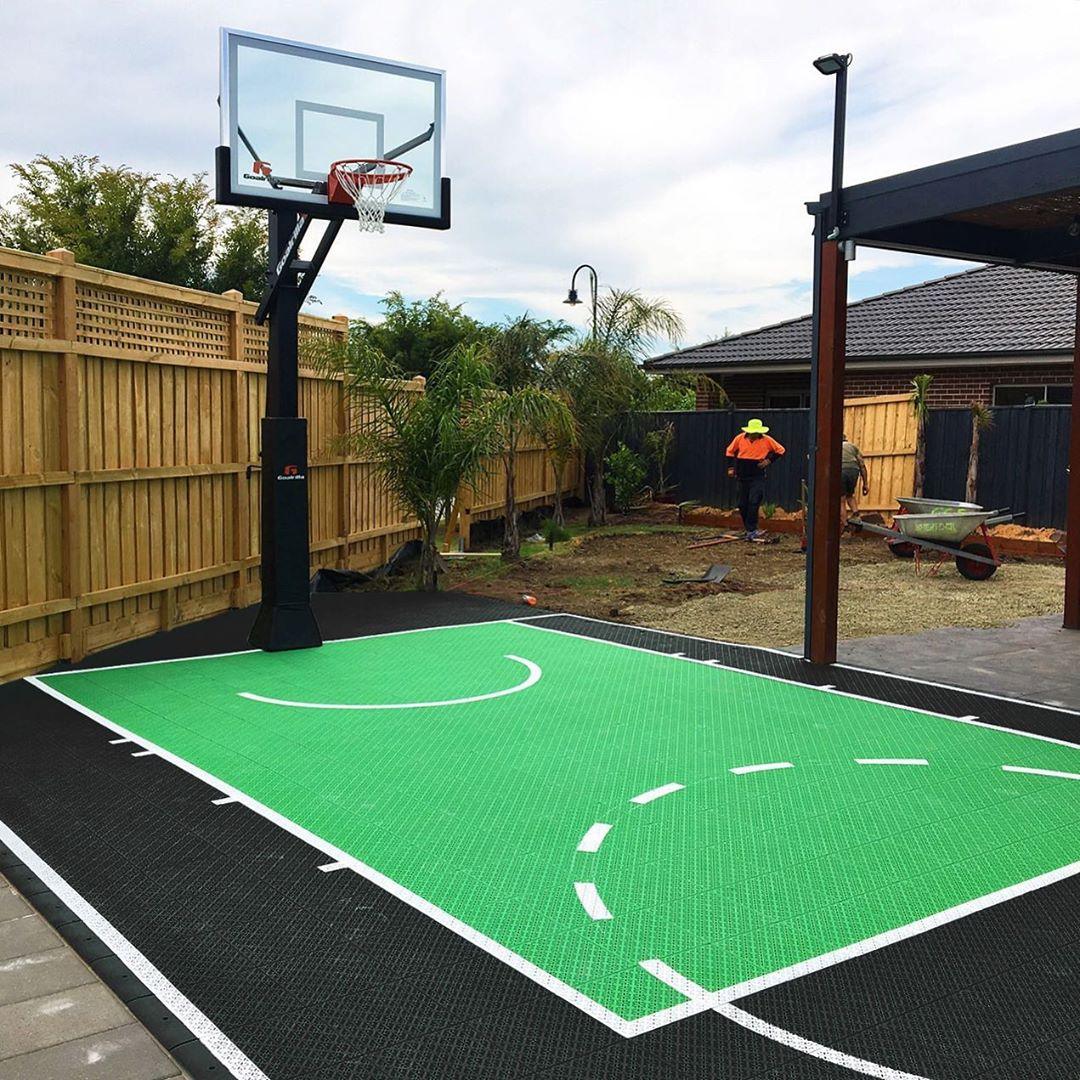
x=957 y=531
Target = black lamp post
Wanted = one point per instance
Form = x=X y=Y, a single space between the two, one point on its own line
x=572 y=296
x=836 y=64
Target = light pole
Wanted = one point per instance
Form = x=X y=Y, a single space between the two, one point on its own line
x=827 y=356
x=572 y=296
x=836 y=64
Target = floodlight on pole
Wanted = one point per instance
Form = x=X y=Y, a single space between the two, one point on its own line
x=572 y=296
x=836 y=64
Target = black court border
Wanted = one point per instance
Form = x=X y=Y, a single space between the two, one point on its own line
x=951 y=1003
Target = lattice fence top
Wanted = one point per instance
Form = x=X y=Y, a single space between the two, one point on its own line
x=122 y=312
x=26 y=303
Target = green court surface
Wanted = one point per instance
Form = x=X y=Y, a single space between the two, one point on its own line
x=507 y=808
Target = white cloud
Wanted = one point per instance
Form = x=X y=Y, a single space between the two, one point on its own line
x=672 y=144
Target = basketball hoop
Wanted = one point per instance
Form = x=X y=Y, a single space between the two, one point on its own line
x=370 y=184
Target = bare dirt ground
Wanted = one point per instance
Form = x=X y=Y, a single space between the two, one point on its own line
x=615 y=573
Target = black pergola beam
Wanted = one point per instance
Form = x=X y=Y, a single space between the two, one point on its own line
x=1012 y=173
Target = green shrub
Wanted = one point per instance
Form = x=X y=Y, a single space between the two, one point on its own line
x=553 y=533
x=626 y=473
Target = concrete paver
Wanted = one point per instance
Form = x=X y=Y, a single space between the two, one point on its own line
x=68 y=1014
x=124 y=1053
x=40 y=974
x=58 y=1021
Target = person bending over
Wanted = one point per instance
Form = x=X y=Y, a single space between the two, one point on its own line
x=749 y=456
x=852 y=470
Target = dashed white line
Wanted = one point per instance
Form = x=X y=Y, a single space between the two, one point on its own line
x=594 y=907
x=739 y=770
x=1041 y=772
x=326 y=868
x=594 y=837
x=656 y=793
x=142 y=753
x=117 y=742
x=891 y=761
x=222 y=801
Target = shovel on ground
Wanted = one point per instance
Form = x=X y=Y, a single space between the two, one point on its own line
x=713 y=576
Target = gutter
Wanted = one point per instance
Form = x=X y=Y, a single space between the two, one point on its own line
x=884 y=364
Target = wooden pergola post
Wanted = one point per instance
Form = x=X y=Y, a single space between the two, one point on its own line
x=1072 y=518
x=823 y=571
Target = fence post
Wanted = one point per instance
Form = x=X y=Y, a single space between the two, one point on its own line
x=1072 y=507
x=240 y=512
x=344 y=420
x=72 y=430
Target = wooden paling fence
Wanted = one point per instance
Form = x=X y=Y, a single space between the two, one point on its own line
x=884 y=429
x=129 y=469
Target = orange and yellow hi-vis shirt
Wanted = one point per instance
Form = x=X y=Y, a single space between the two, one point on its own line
x=743 y=449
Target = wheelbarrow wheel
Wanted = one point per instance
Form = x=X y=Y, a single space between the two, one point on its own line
x=972 y=570
x=902 y=549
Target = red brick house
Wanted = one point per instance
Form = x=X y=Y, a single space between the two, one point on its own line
x=1001 y=335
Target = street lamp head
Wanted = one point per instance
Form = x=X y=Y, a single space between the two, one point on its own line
x=572 y=297
x=833 y=64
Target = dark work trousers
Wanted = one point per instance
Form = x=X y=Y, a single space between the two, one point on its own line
x=751 y=492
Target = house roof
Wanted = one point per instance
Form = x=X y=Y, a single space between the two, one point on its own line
x=989 y=311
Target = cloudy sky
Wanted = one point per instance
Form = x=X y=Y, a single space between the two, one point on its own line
x=671 y=143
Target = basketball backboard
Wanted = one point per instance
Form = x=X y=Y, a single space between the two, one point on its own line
x=289 y=110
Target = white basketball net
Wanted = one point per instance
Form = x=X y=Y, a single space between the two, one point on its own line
x=372 y=185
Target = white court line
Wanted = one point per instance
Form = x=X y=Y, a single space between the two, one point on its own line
x=248 y=652
x=739 y=770
x=327 y=868
x=117 y=742
x=656 y=793
x=222 y=801
x=653 y=1021
x=594 y=837
x=691 y=990
x=142 y=753
x=790 y=682
x=553 y=984
x=891 y=761
x=594 y=907
x=1041 y=772
x=530 y=680
x=222 y=1047
x=798 y=657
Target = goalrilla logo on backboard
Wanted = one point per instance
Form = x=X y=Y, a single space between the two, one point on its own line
x=260 y=170
x=291 y=472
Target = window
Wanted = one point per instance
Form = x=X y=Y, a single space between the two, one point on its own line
x=793 y=400
x=1034 y=394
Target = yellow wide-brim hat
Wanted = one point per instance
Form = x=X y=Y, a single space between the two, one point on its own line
x=755 y=427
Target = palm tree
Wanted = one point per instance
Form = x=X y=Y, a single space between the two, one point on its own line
x=920 y=403
x=982 y=419
x=426 y=445
x=518 y=351
x=604 y=380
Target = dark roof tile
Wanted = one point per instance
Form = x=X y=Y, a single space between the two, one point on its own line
x=989 y=310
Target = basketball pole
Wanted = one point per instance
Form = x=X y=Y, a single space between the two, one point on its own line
x=285 y=619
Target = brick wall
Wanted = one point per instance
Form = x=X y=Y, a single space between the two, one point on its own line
x=955 y=388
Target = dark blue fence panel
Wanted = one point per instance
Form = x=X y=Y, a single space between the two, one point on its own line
x=699 y=468
x=1022 y=458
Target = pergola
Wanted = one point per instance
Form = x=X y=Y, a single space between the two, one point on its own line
x=1018 y=205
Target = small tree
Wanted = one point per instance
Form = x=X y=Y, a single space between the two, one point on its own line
x=425 y=446
x=626 y=471
x=920 y=403
x=982 y=419
x=518 y=351
x=657 y=446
